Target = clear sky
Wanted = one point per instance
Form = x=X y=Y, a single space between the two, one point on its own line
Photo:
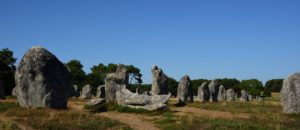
x=203 y=38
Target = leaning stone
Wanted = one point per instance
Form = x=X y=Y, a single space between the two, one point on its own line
x=159 y=81
x=86 y=92
x=42 y=80
x=222 y=93
x=115 y=82
x=230 y=95
x=290 y=94
x=185 y=90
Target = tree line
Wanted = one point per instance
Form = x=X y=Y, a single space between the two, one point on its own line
x=98 y=73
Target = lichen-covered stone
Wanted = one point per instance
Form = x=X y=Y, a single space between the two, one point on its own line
x=42 y=80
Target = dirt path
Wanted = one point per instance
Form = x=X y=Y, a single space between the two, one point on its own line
x=134 y=121
x=209 y=113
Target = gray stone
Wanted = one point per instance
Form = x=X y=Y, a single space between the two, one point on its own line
x=100 y=91
x=14 y=92
x=1 y=90
x=244 y=96
x=42 y=80
x=185 y=90
x=159 y=82
x=86 y=92
x=213 y=91
x=230 y=95
x=201 y=92
x=138 y=90
x=96 y=102
x=133 y=100
x=259 y=98
x=290 y=94
x=250 y=97
x=222 y=93
x=76 y=91
x=115 y=82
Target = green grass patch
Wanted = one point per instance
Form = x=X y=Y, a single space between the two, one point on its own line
x=6 y=105
x=49 y=119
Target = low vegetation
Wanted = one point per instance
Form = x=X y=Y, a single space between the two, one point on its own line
x=48 y=119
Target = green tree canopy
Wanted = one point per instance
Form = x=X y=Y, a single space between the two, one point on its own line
x=7 y=70
x=252 y=86
x=78 y=75
x=274 y=85
x=172 y=84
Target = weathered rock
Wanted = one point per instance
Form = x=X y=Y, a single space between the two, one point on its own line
x=100 y=91
x=14 y=92
x=76 y=91
x=222 y=93
x=159 y=82
x=244 y=96
x=185 y=90
x=134 y=100
x=230 y=95
x=115 y=82
x=203 y=93
x=42 y=80
x=147 y=93
x=96 y=102
x=290 y=94
x=250 y=97
x=86 y=92
x=259 y=98
x=138 y=90
x=213 y=91
x=1 y=90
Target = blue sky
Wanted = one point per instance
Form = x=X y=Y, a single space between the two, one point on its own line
x=241 y=39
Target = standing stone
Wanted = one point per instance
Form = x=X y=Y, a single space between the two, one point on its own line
x=14 y=92
x=1 y=90
x=259 y=98
x=115 y=82
x=159 y=82
x=42 y=80
x=185 y=90
x=222 y=93
x=250 y=97
x=138 y=90
x=290 y=94
x=86 y=92
x=230 y=95
x=100 y=91
x=76 y=91
x=203 y=93
x=213 y=91
x=244 y=96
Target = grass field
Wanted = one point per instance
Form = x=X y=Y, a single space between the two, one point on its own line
x=265 y=115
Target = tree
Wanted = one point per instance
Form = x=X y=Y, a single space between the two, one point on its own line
x=7 y=70
x=134 y=73
x=273 y=85
x=78 y=75
x=252 y=86
x=230 y=84
x=172 y=84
